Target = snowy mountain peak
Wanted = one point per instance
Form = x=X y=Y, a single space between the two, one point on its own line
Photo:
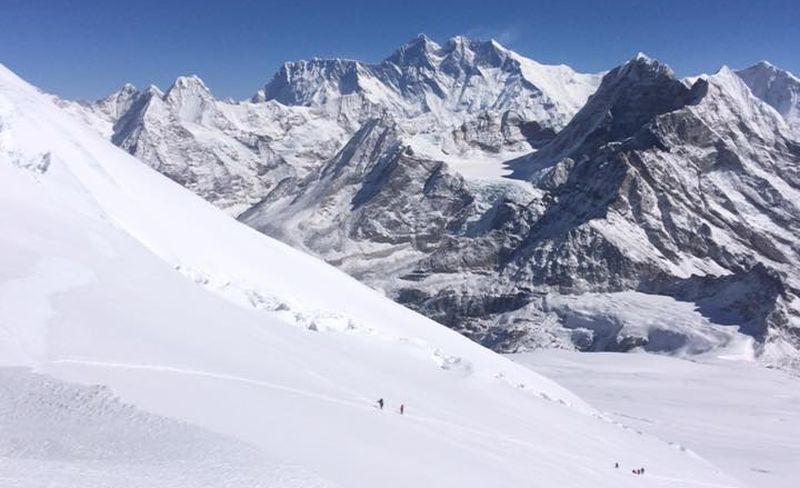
x=119 y=102
x=438 y=90
x=128 y=88
x=154 y=91
x=629 y=97
x=778 y=88
x=417 y=51
x=188 y=84
x=764 y=64
x=192 y=99
x=312 y=82
x=643 y=65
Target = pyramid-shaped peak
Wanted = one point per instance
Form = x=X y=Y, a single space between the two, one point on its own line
x=416 y=51
x=640 y=67
x=423 y=40
x=128 y=88
x=153 y=90
x=126 y=91
x=191 y=82
x=766 y=69
x=725 y=70
x=643 y=60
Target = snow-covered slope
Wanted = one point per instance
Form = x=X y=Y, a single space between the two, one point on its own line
x=779 y=88
x=111 y=274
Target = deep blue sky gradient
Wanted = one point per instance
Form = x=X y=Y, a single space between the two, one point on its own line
x=88 y=48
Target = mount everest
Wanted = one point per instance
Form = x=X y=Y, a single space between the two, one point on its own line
x=410 y=174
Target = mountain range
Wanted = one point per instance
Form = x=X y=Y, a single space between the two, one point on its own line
x=521 y=204
x=147 y=339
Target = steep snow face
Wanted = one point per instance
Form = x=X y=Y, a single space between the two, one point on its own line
x=779 y=88
x=442 y=92
x=656 y=189
x=235 y=354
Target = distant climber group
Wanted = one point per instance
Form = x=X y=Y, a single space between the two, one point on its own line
x=634 y=471
x=402 y=406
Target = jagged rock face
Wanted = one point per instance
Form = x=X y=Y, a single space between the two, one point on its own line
x=375 y=192
x=778 y=88
x=654 y=187
x=660 y=206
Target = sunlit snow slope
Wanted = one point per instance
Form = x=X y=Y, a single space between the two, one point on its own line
x=239 y=361
x=744 y=417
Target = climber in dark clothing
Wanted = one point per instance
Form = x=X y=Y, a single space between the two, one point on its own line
x=380 y=403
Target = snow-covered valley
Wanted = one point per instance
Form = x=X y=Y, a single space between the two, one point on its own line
x=737 y=414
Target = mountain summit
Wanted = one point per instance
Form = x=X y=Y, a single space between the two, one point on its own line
x=450 y=83
x=779 y=88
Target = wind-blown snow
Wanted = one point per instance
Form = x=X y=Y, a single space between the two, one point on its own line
x=111 y=274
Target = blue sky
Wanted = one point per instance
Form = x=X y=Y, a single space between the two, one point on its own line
x=88 y=48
